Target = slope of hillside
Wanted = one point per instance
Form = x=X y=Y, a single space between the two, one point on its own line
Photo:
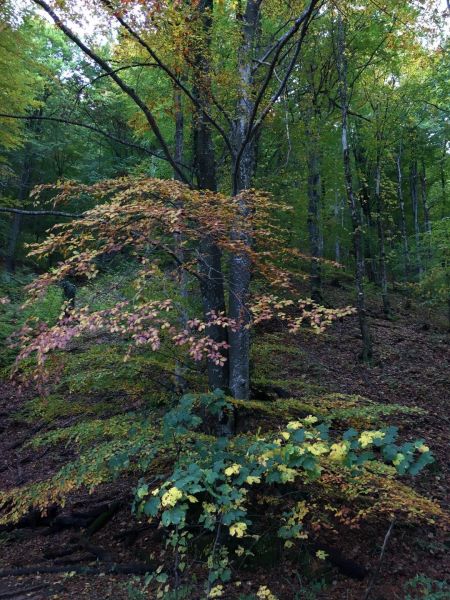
x=410 y=371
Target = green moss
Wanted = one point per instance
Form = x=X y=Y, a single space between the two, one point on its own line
x=270 y=356
x=343 y=409
x=101 y=370
x=296 y=386
x=87 y=432
x=283 y=408
x=54 y=406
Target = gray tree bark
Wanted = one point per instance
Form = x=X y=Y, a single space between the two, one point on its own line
x=362 y=167
x=210 y=256
x=426 y=210
x=351 y=197
x=381 y=237
x=180 y=370
x=314 y=194
x=401 y=206
x=413 y=178
x=425 y=207
x=339 y=218
x=240 y=264
x=24 y=190
x=443 y=174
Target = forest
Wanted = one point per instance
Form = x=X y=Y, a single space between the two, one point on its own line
x=224 y=299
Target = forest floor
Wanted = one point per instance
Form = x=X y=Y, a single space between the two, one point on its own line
x=411 y=367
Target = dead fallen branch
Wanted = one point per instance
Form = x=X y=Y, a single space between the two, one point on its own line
x=376 y=571
x=75 y=560
x=21 y=441
x=112 y=568
x=32 y=519
x=22 y=591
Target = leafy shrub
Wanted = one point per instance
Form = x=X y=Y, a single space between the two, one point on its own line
x=12 y=317
x=215 y=481
x=297 y=477
x=421 y=587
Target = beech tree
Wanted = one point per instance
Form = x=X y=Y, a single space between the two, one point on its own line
x=205 y=85
x=200 y=187
x=258 y=54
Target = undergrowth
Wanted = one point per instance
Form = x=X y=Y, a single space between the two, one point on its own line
x=12 y=316
x=310 y=463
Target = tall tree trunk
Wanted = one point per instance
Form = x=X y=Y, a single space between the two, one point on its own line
x=443 y=174
x=381 y=237
x=338 y=217
x=180 y=370
x=240 y=264
x=10 y=258
x=351 y=197
x=314 y=184
x=210 y=256
x=365 y=201
x=401 y=206
x=444 y=214
x=425 y=207
x=24 y=190
x=415 y=208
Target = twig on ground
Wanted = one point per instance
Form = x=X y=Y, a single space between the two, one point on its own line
x=376 y=572
x=22 y=591
x=133 y=569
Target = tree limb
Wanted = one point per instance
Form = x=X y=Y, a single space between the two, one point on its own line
x=40 y=213
x=349 y=112
x=123 y=68
x=301 y=22
x=22 y=591
x=138 y=569
x=85 y=126
x=180 y=85
x=444 y=110
x=123 y=86
x=380 y=560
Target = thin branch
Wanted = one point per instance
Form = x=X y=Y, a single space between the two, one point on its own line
x=263 y=59
x=41 y=213
x=301 y=22
x=380 y=560
x=123 y=86
x=444 y=110
x=123 y=68
x=368 y=62
x=85 y=126
x=285 y=79
x=349 y=112
x=170 y=73
x=279 y=47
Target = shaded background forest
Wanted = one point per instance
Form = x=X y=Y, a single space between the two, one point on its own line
x=399 y=130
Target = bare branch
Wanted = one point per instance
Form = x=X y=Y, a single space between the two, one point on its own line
x=349 y=112
x=263 y=59
x=172 y=75
x=380 y=560
x=123 y=68
x=123 y=86
x=41 y=213
x=444 y=110
x=85 y=126
x=302 y=22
